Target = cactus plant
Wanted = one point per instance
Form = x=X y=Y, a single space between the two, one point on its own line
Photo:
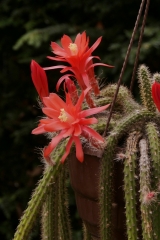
x=141 y=158
x=133 y=138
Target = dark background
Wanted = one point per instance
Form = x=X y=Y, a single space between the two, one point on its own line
x=26 y=29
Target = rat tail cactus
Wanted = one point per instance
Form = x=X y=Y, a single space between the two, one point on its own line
x=133 y=141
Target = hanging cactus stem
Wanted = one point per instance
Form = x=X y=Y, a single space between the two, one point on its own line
x=145 y=191
x=154 y=146
x=63 y=215
x=130 y=184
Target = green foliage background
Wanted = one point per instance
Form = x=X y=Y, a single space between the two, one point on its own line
x=27 y=28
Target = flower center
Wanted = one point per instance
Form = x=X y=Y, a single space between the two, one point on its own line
x=63 y=116
x=73 y=48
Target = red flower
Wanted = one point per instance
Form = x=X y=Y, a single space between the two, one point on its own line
x=39 y=79
x=156 y=94
x=68 y=120
x=78 y=55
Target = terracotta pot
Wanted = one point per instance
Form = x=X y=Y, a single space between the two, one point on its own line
x=85 y=182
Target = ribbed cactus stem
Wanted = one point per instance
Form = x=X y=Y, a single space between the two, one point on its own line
x=100 y=126
x=30 y=214
x=55 y=217
x=106 y=194
x=130 y=185
x=154 y=145
x=124 y=102
x=156 y=77
x=49 y=222
x=145 y=88
x=131 y=121
x=145 y=192
x=127 y=122
x=63 y=214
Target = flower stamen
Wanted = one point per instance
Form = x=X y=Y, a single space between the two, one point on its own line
x=63 y=116
x=73 y=48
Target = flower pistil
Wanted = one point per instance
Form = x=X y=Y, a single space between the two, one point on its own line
x=63 y=116
x=73 y=48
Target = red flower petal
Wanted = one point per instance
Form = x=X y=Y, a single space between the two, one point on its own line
x=88 y=121
x=92 y=133
x=68 y=132
x=86 y=79
x=54 y=142
x=94 y=46
x=57 y=49
x=68 y=148
x=81 y=99
x=57 y=101
x=65 y=41
x=39 y=130
x=99 y=64
x=50 y=104
x=92 y=111
x=39 y=79
x=50 y=112
x=45 y=120
x=57 y=58
x=55 y=126
x=61 y=80
x=82 y=43
x=54 y=67
x=77 y=130
x=79 y=150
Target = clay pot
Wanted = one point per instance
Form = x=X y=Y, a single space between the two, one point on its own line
x=85 y=183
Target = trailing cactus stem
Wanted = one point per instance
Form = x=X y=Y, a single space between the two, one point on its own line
x=102 y=123
x=145 y=88
x=130 y=184
x=30 y=214
x=105 y=199
x=126 y=123
x=63 y=214
x=145 y=186
x=154 y=144
x=131 y=121
x=49 y=222
x=124 y=101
